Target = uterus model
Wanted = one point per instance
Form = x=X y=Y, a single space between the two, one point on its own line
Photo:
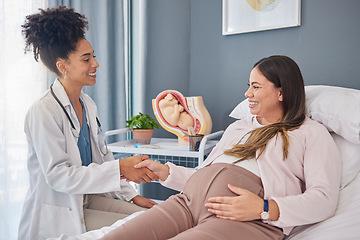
x=182 y=116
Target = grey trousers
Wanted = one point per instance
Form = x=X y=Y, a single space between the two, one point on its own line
x=184 y=216
x=100 y=211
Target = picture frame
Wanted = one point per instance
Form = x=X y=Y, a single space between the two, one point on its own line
x=243 y=16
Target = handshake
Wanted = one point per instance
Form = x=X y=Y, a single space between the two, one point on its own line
x=140 y=169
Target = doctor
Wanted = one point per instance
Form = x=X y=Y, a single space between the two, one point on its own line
x=73 y=179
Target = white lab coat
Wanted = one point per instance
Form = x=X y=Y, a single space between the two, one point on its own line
x=58 y=181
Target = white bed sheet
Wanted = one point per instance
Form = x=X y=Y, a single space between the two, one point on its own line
x=96 y=234
x=344 y=225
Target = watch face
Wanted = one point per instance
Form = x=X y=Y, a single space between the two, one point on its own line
x=265 y=215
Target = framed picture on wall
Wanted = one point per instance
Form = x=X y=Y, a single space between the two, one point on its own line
x=242 y=16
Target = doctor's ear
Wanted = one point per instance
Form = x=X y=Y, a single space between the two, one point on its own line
x=61 y=66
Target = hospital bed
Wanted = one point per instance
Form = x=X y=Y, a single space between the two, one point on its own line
x=339 y=110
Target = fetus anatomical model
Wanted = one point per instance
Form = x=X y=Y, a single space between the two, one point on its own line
x=177 y=114
x=174 y=113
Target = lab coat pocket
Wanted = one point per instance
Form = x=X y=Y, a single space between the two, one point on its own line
x=55 y=220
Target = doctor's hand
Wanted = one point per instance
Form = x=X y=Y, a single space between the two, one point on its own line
x=143 y=202
x=245 y=207
x=137 y=175
x=161 y=170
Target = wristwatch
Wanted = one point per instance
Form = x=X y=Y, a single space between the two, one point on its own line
x=265 y=214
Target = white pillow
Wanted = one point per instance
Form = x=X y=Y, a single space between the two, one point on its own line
x=350 y=155
x=336 y=107
x=241 y=111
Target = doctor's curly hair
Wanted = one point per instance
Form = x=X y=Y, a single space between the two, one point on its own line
x=53 y=33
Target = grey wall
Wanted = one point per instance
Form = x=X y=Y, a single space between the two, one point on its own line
x=187 y=51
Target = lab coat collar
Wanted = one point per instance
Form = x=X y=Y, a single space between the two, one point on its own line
x=90 y=108
x=61 y=93
x=65 y=101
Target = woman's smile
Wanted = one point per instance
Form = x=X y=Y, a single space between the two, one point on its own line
x=252 y=104
x=92 y=75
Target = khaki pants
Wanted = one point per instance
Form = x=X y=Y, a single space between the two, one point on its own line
x=184 y=216
x=100 y=211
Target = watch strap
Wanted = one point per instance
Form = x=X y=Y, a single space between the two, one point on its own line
x=266 y=205
x=265 y=214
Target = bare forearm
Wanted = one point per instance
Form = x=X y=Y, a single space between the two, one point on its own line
x=273 y=210
x=164 y=173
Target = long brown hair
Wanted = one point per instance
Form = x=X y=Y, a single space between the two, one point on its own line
x=284 y=73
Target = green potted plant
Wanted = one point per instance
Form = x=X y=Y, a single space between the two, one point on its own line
x=142 y=126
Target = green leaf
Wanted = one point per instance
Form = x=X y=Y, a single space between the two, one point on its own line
x=142 y=121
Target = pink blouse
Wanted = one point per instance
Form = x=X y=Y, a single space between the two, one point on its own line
x=305 y=185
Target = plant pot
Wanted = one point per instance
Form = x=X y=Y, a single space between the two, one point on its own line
x=142 y=135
